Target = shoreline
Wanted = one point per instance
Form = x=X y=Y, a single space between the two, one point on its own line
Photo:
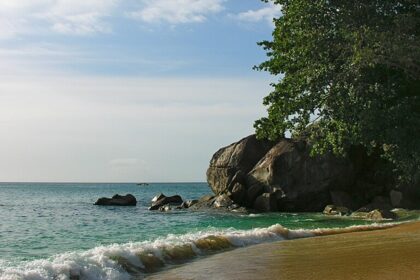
x=390 y=253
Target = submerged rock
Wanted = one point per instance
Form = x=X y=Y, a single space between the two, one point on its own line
x=381 y=215
x=118 y=200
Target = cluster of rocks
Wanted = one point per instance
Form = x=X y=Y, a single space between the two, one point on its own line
x=264 y=176
x=364 y=213
x=165 y=203
x=283 y=176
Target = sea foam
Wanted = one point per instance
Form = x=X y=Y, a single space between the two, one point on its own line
x=123 y=261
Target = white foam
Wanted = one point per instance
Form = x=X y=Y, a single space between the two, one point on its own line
x=101 y=262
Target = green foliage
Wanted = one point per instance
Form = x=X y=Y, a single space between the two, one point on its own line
x=349 y=73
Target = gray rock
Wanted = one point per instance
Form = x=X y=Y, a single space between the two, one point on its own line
x=227 y=161
x=204 y=202
x=175 y=200
x=222 y=201
x=336 y=210
x=307 y=183
x=381 y=215
x=118 y=200
x=206 y=198
x=305 y=180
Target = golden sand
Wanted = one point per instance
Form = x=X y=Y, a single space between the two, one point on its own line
x=392 y=253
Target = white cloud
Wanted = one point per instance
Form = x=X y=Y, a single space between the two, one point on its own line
x=264 y=14
x=80 y=17
x=177 y=11
x=76 y=17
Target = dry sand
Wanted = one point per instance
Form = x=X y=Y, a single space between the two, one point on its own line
x=392 y=253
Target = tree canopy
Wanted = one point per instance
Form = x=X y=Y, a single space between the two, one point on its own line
x=349 y=74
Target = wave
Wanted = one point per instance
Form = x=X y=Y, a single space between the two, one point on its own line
x=125 y=261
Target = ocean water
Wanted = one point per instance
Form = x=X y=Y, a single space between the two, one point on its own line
x=53 y=231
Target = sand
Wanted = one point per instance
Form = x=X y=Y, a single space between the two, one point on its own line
x=392 y=253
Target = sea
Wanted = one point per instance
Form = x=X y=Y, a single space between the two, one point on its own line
x=54 y=230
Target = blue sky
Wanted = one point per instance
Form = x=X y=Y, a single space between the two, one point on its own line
x=124 y=90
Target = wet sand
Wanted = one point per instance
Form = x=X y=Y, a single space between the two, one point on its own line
x=392 y=253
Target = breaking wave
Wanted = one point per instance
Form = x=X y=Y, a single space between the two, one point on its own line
x=125 y=261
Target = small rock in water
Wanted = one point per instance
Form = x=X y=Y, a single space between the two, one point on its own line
x=118 y=200
x=381 y=215
x=175 y=200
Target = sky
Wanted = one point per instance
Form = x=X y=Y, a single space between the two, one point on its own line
x=127 y=90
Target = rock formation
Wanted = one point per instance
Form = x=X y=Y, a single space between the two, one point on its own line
x=282 y=176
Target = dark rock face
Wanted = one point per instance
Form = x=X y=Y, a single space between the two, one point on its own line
x=266 y=202
x=282 y=176
x=240 y=156
x=160 y=202
x=118 y=200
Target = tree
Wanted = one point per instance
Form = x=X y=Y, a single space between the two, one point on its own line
x=349 y=74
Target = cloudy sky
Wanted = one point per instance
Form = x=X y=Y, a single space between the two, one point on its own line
x=127 y=90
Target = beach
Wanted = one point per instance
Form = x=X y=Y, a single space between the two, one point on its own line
x=391 y=253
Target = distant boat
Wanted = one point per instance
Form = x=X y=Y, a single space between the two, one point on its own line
x=142 y=184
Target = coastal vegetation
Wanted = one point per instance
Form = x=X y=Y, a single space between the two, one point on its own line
x=348 y=75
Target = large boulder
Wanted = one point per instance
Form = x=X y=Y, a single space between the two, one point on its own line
x=305 y=180
x=240 y=156
x=287 y=173
x=118 y=200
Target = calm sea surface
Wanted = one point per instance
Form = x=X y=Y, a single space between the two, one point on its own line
x=45 y=225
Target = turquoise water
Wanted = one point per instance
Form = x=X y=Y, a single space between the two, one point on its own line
x=42 y=223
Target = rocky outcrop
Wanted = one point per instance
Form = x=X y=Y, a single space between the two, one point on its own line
x=283 y=176
x=118 y=200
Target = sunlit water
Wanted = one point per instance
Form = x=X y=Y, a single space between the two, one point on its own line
x=43 y=226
